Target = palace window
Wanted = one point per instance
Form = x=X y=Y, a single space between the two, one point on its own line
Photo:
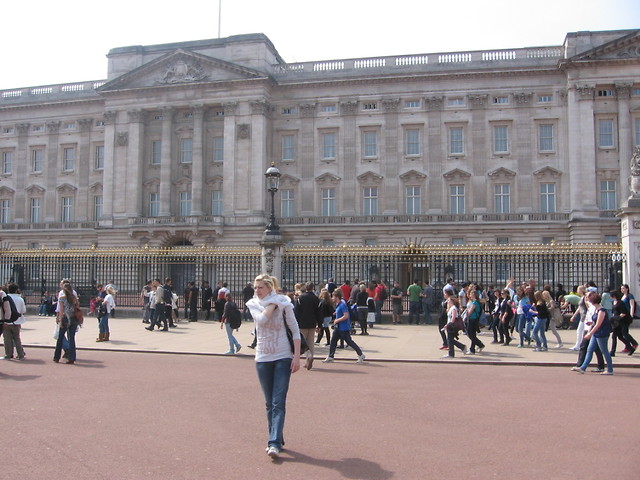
x=370 y=144
x=608 y=199
x=412 y=142
x=66 y=212
x=99 y=157
x=637 y=131
x=97 y=207
x=185 y=204
x=412 y=104
x=288 y=148
x=456 y=199
x=502 y=198
x=37 y=160
x=287 y=203
x=35 y=210
x=186 y=150
x=605 y=134
x=370 y=201
x=547 y=197
x=154 y=204
x=216 y=203
x=156 y=152
x=218 y=149
x=456 y=141
x=7 y=162
x=545 y=138
x=501 y=139
x=328 y=146
x=5 y=211
x=501 y=100
x=545 y=98
x=328 y=202
x=68 y=158
x=413 y=200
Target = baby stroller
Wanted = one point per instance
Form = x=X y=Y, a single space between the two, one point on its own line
x=354 y=318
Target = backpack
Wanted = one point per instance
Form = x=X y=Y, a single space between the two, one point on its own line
x=383 y=294
x=234 y=317
x=15 y=314
x=167 y=295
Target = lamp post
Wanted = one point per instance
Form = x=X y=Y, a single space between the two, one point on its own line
x=272 y=176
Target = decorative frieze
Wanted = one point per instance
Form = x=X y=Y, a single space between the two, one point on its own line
x=122 y=139
x=23 y=128
x=623 y=90
x=53 y=126
x=523 y=98
x=479 y=100
x=243 y=131
x=85 y=124
x=349 y=107
x=136 y=116
x=230 y=108
x=434 y=103
x=110 y=117
x=586 y=92
x=391 y=105
x=260 y=107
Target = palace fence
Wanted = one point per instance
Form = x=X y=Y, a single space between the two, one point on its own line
x=36 y=271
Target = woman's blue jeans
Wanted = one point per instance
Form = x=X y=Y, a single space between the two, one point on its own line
x=538 y=332
x=233 y=343
x=103 y=324
x=602 y=343
x=274 y=380
x=520 y=326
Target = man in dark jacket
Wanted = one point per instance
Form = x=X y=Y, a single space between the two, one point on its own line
x=309 y=319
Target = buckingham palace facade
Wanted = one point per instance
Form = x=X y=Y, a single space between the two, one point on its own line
x=522 y=145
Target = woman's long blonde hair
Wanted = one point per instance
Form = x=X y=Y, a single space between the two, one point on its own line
x=268 y=280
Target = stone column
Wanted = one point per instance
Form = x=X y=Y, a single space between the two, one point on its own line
x=197 y=167
x=52 y=172
x=135 y=164
x=21 y=167
x=390 y=160
x=346 y=193
x=271 y=255
x=625 y=137
x=306 y=155
x=84 y=204
x=165 y=162
x=629 y=215
x=109 y=165
x=436 y=135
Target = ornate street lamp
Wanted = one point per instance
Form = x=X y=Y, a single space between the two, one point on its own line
x=273 y=181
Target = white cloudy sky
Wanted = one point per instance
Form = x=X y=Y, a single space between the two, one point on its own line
x=46 y=42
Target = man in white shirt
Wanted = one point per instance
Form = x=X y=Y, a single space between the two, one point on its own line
x=11 y=330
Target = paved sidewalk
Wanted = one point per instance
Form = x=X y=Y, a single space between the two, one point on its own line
x=386 y=342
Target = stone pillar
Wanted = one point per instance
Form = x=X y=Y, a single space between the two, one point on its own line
x=390 y=160
x=21 y=167
x=271 y=255
x=52 y=172
x=165 y=163
x=349 y=186
x=84 y=167
x=197 y=167
x=625 y=137
x=135 y=164
x=109 y=165
x=630 y=226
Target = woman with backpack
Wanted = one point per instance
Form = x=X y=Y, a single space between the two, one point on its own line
x=326 y=312
x=66 y=319
x=108 y=304
x=598 y=335
x=231 y=320
x=474 y=312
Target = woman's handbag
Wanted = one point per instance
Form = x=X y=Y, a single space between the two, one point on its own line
x=303 y=343
x=77 y=311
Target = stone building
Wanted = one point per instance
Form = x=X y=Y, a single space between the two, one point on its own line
x=523 y=145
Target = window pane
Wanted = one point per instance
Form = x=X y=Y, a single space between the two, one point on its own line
x=502 y=198
x=413 y=200
x=67 y=209
x=329 y=145
x=608 y=199
x=288 y=148
x=218 y=149
x=456 y=140
x=605 y=134
x=68 y=158
x=370 y=201
x=37 y=160
x=185 y=204
x=97 y=207
x=7 y=162
x=456 y=199
x=186 y=149
x=287 y=203
x=35 y=210
x=99 y=157
x=5 y=211
x=328 y=202
x=412 y=146
x=154 y=204
x=156 y=152
x=216 y=203
x=370 y=146
x=547 y=197
x=501 y=140
x=545 y=138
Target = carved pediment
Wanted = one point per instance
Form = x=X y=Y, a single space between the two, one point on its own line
x=34 y=190
x=182 y=182
x=152 y=183
x=501 y=173
x=287 y=181
x=6 y=192
x=327 y=179
x=457 y=174
x=95 y=188
x=215 y=183
x=180 y=67
x=66 y=188
x=413 y=176
x=622 y=48
x=547 y=173
x=370 y=178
